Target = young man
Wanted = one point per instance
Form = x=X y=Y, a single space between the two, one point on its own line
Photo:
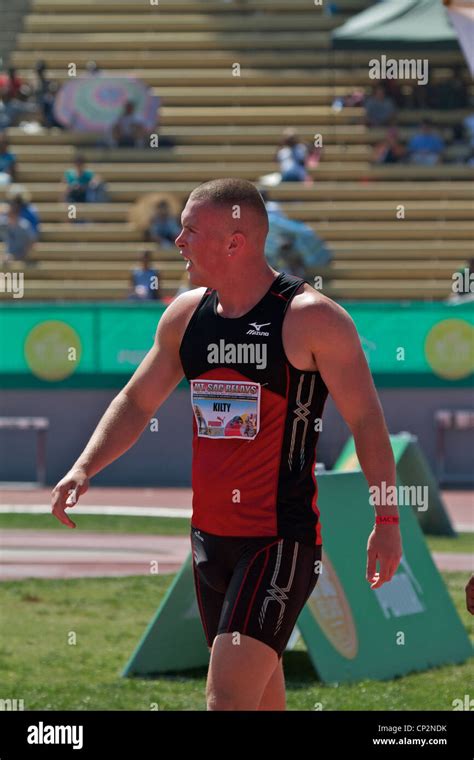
x=261 y=351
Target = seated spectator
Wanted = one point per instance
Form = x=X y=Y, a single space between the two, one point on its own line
x=14 y=99
x=14 y=95
x=129 y=129
x=425 y=147
x=17 y=234
x=7 y=162
x=390 y=150
x=144 y=281
x=20 y=196
x=45 y=91
x=379 y=108
x=10 y=86
x=163 y=229
x=80 y=185
x=292 y=157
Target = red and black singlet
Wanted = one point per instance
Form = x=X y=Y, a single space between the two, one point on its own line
x=262 y=485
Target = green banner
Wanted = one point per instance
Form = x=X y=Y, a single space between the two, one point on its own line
x=125 y=338
x=101 y=344
x=417 y=339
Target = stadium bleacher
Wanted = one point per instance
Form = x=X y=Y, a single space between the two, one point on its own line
x=223 y=125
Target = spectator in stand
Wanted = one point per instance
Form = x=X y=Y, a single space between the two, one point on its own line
x=164 y=228
x=14 y=104
x=17 y=234
x=129 y=129
x=293 y=156
x=379 y=108
x=390 y=150
x=425 y=147
x=45 y=91
x=144 y=280
x=355 y=99
x=10 y=84
x=20 y=196
x=7 y=162
x=81 y=185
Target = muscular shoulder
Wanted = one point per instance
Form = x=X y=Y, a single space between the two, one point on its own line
x=311 y=311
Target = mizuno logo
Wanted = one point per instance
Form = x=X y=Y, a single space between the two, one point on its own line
x=258 y=328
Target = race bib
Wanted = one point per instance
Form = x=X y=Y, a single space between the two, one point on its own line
x=225 y=409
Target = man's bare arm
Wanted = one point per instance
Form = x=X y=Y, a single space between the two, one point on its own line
x=341 y=361
x=130 y=411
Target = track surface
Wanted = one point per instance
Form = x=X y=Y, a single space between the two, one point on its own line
x=76 y=553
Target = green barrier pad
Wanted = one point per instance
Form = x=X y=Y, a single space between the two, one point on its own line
x=174 y=639
x=353 y=632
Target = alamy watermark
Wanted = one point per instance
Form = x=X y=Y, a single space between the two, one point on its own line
x=12 y=282
x=48 y=734
x=402 y=68
x=12 y=704
x=237 y=353
x=392 y=496
x=463 y=281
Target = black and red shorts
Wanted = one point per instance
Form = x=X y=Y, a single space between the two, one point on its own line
x=254 y=586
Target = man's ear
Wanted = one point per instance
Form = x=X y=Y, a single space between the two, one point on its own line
x=237 y=242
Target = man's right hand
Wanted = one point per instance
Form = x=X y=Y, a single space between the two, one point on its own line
x=66 y=494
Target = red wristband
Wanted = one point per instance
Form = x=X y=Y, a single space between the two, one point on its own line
x=387 y=520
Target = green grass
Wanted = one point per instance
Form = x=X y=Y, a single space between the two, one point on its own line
x=164 y=526
x=108 y=616
x=463 y=542
x=174 y=526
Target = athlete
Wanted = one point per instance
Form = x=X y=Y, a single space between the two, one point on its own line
x=261 y=351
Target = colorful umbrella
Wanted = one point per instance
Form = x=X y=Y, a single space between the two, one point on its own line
x=94 y=103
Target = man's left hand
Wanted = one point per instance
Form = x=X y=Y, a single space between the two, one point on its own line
x=384 y=545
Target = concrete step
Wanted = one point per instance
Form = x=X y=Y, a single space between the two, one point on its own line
x=12 y=20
